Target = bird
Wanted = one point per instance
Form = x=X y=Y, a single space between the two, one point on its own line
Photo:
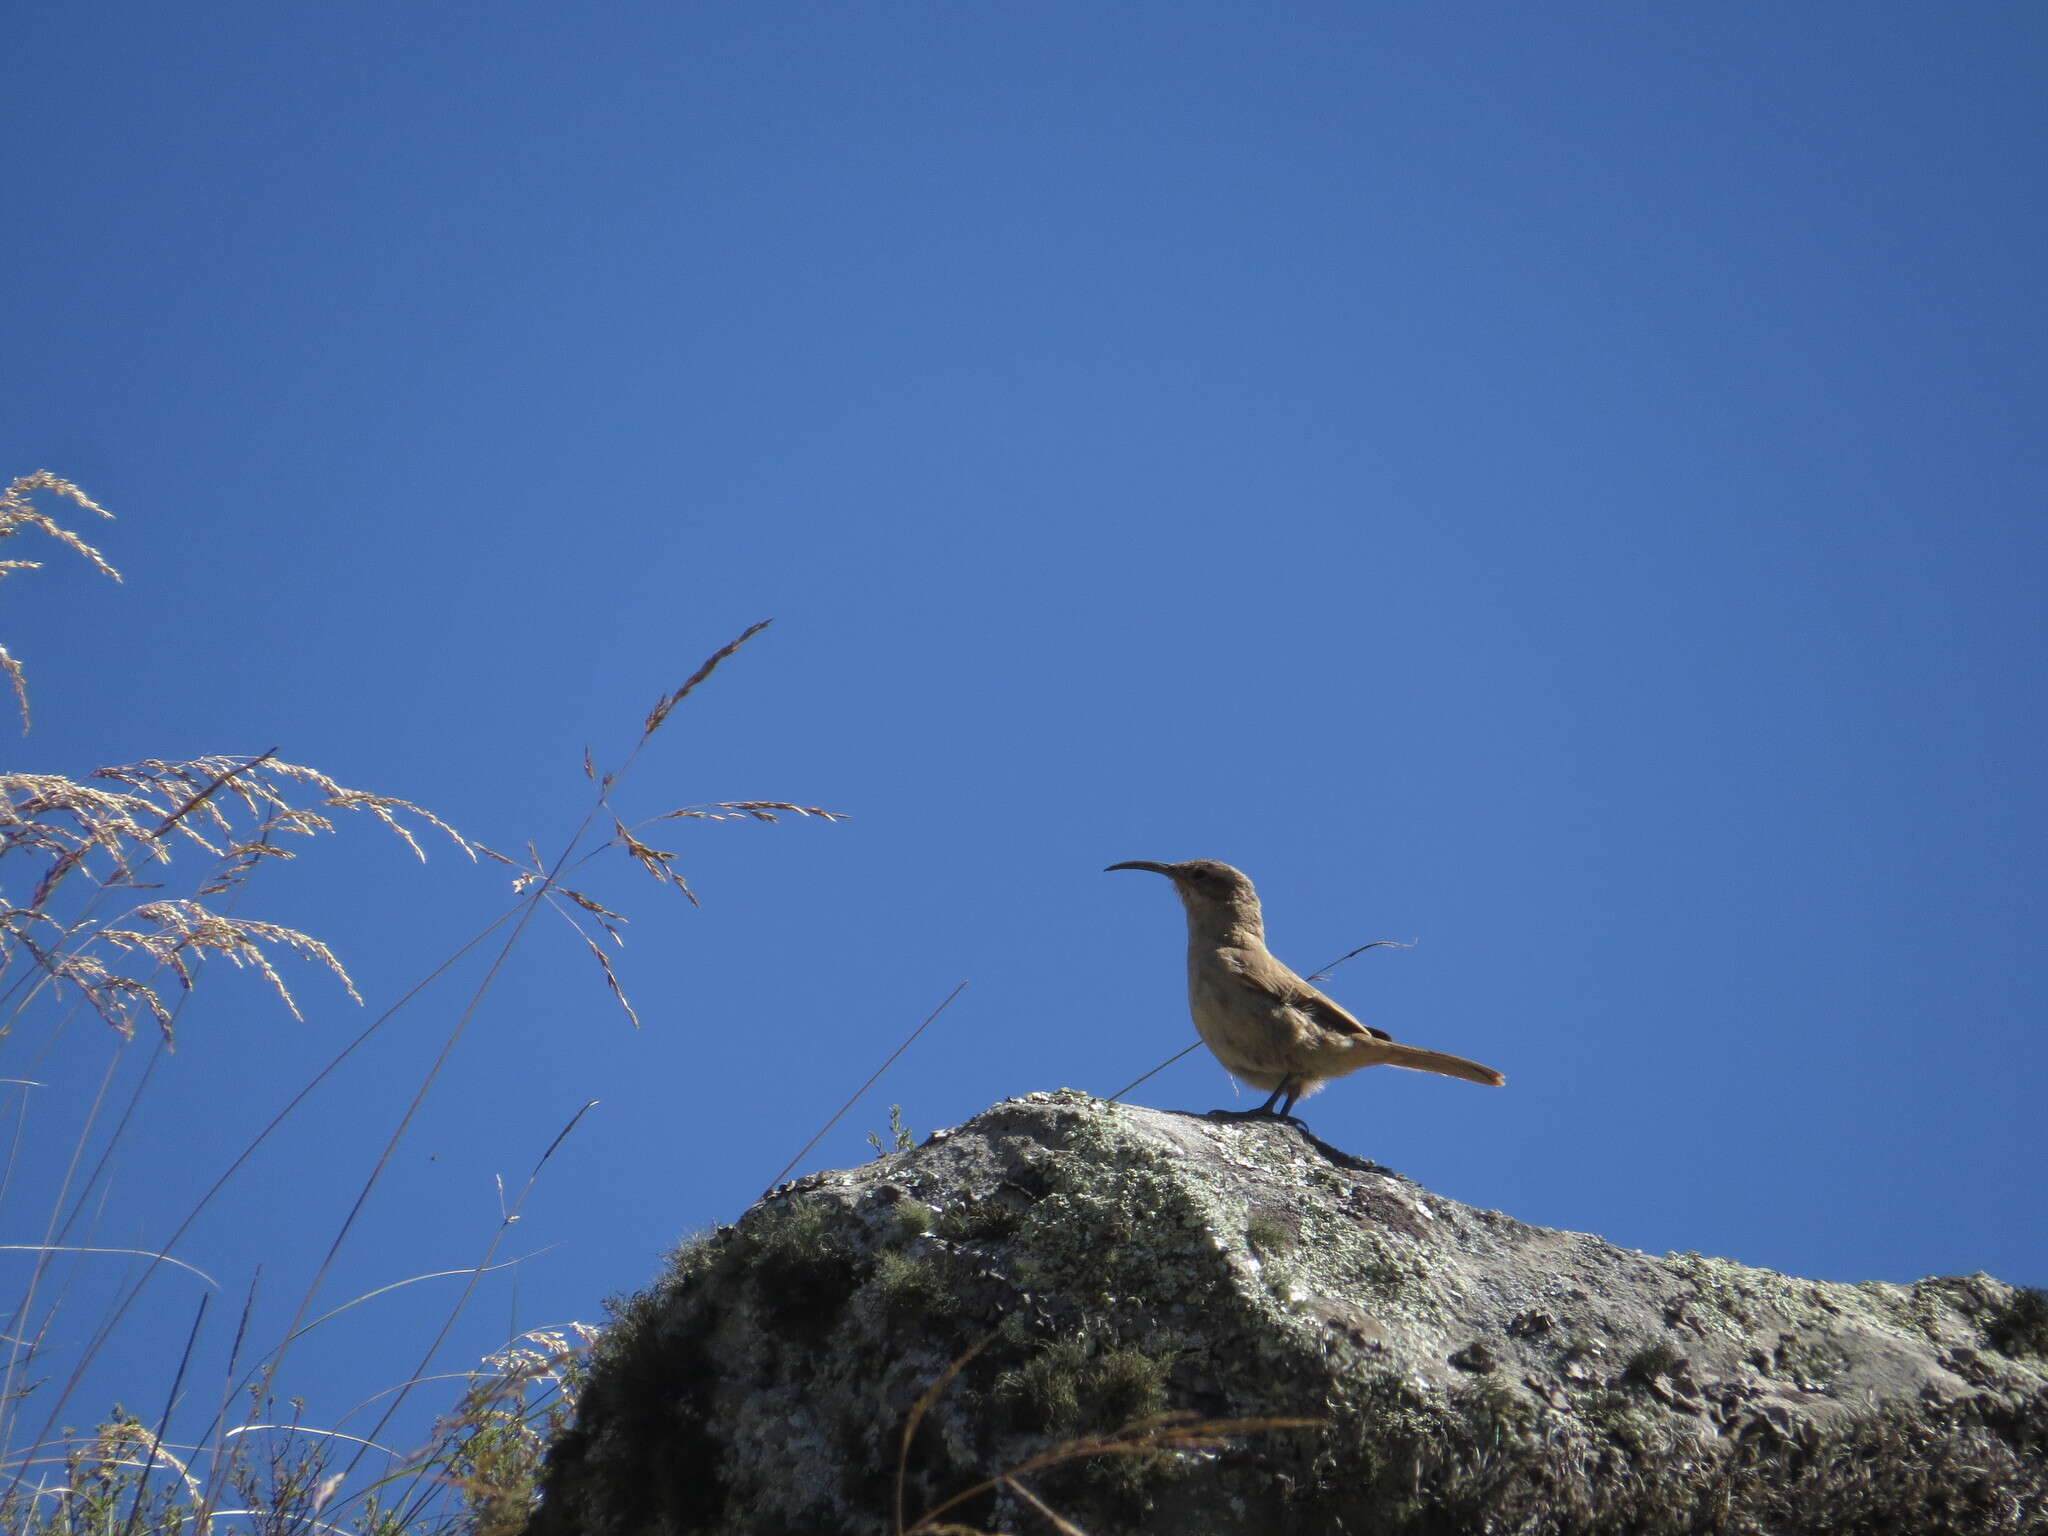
x=1264 y=1023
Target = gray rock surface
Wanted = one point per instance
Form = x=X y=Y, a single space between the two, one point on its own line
x=1458 y=1370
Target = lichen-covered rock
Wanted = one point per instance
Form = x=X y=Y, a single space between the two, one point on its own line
x=1080 y=1267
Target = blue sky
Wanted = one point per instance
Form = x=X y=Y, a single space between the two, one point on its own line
x=1561 y=485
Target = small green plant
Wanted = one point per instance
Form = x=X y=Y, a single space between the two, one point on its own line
x=914 y=1218
x=2020 y=1326
x=901 y=1137
x=915 y=1288
x=977 y=1221
x=1496 y=1411
x=804 y=1271
x=1650 y=1362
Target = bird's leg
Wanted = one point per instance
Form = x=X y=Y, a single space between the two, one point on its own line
x=1266 y=1110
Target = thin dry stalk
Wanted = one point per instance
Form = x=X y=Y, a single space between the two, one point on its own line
x=1352 y=954
x=1058 y=1521
x=658 y=862
x=1146 y=1077
x=130 y=1253
x=510 y=1218
x=873 y=1078
x=749 y=810
x=469 y=1271
x=156 y=1437
x=923 y=1406
x=611 y=979
x=217 y=1453
x=375 y=1176
x=1171 y=1432
x=667 y=703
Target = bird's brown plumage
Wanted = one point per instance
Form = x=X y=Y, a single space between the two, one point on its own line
x=1267 y=1025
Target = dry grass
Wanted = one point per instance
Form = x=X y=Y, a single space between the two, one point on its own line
x=115 y=890
x=476 y=1475
x=1153 y=1436
x=19 y=514
x=83 y=847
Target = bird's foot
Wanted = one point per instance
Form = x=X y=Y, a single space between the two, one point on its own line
x=1261 y=1113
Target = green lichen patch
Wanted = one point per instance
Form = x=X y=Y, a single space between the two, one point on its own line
x=1735 y=1300
x=1381 y=1268
x=1738 y=1294
x=1808 y=1363
x=1133 y=1229
x=1272 y=1232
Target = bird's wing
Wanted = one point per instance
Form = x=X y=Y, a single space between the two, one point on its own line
x=1330 y=1016
x=1269 y=978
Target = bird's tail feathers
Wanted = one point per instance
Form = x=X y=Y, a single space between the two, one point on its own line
x=1393 y=1054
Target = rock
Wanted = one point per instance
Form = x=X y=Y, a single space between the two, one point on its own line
x=1059 y=1269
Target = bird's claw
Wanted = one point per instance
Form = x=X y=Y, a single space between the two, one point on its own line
x=1258 y=1114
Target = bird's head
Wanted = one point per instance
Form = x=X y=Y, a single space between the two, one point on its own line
x=1206 y=886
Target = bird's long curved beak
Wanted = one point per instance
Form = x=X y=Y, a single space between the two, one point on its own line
x=1157 y=869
